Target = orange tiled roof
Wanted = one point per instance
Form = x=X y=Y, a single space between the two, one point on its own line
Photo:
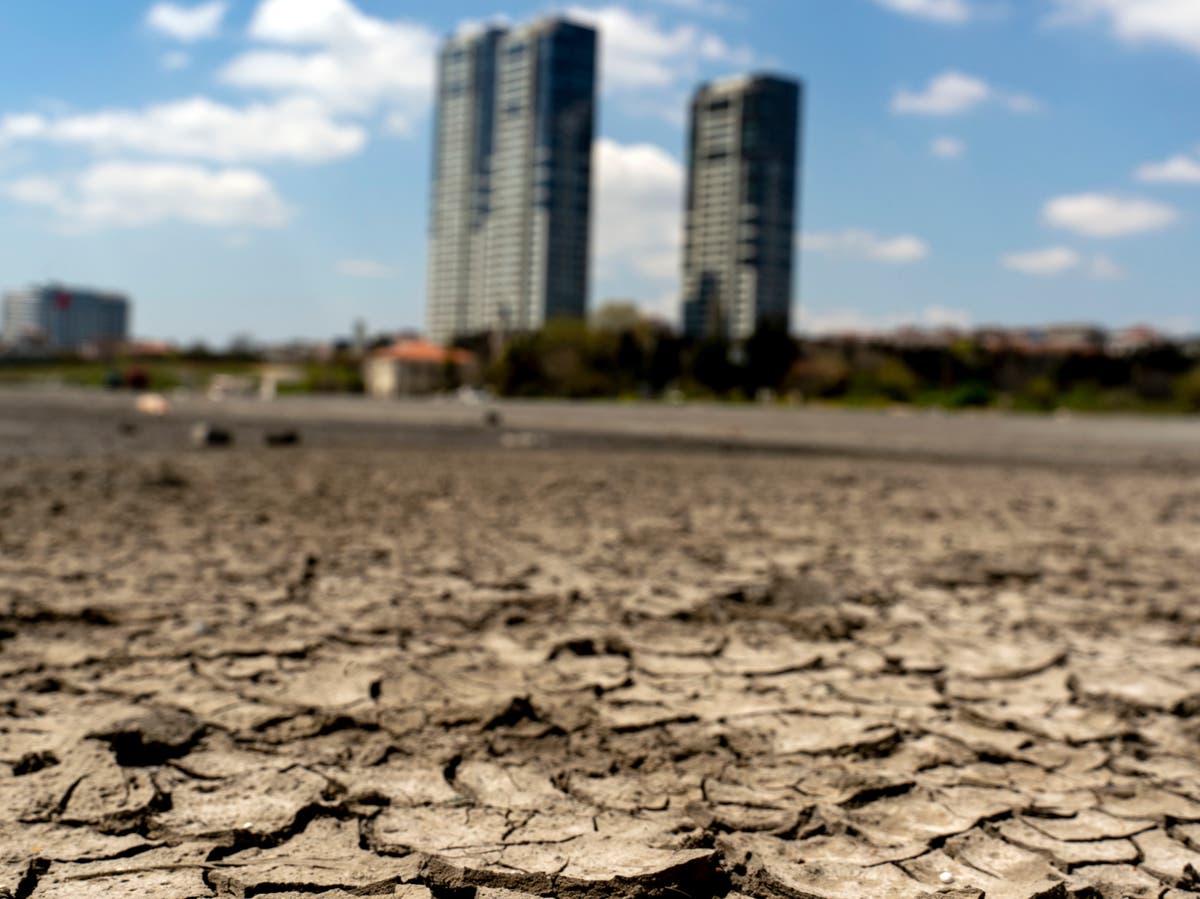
x=423 y=351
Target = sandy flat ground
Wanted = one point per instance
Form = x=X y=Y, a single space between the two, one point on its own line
x=596 y=651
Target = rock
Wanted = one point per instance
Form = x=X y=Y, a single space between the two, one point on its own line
x=204 y=434
x=152 y=404
x=150 y=739
x=33 y=761
x=282 y=438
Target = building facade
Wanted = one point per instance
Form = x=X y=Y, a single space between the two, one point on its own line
x=412 y=367
x=510 y=223
x=55 y=317
x=742 y=193
x=461 y=189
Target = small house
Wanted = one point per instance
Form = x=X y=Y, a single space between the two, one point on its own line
x=414 y=367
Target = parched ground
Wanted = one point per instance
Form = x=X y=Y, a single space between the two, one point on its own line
x=499 y=670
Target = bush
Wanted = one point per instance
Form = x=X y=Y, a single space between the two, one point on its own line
x=896 y=380
x=823 y=375
x=1039 y=393
x=1187 y=390
x=970 y=394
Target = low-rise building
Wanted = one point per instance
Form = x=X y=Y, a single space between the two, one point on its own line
x=55 y=317
x=1134 y=339
x=414 y=367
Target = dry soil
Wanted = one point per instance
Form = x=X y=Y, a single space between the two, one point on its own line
x=510 y=665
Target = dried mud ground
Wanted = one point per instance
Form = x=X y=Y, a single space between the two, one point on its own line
x=486 y=673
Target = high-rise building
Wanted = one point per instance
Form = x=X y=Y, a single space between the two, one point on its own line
x=461 y=163
x=512 y=179
x=741 y=206
x=65 y=318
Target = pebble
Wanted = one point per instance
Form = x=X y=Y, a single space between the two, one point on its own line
x=204 y=434
x=151 y=404
x=946 y=877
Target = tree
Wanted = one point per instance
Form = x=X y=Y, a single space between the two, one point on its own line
x=617 y=315
x=770 y=353
x=823 y=373
x=710 y=366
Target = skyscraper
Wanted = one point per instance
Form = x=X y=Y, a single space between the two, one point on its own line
x=461 y=163
x=512 y=179
x=741 y=201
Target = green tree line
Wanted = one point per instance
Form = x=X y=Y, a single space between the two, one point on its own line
x=637 y=358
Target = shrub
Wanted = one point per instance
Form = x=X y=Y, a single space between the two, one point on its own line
x=1187 y=390
x=1039 y=393
x=970 y=394
x=821 y=374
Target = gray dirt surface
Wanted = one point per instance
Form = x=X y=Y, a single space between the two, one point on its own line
x=365 y=667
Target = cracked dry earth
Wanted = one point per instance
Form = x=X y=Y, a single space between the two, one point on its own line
x=482 y=674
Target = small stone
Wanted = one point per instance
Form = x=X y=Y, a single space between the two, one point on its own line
x=204 y=434
x=152 y=404
x=946 y=877
x=282 y=438
x=158 y=734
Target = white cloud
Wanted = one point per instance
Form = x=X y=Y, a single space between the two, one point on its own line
x=855 y=243
x=1103 y=268
x=637 y=52
x=330 y=51
x=948 y=148
x=947 y=11
x=1054 y=261
x=948 y=94
x=1043 y=263
x=187 y=23
x=1169 y=22
x=365 y=268
x=36 y=190
x=20 y=126
x=944 y=317
x=1179 y=169
x=175 y=60
x=714 y=8
x=1106 y=215
x=639 y=203
x=296 y=130
x=955 y=93
x=840 y=320
x=131 y=195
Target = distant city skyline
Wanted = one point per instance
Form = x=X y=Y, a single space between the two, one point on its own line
x=263 y=166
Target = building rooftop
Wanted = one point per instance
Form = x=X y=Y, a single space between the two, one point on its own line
x=423 y=351
x=740 y=82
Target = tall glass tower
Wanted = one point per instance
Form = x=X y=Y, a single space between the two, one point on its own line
x=741 y=206
x=461 y=166
x=512 y=179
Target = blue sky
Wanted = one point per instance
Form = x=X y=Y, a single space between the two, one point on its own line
x=261 y=166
